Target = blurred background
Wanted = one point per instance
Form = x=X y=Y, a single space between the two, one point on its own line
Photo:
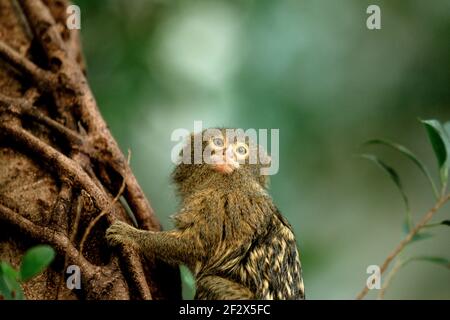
x=311 y=69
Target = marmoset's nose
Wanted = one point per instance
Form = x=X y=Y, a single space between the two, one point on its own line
x=229 y=155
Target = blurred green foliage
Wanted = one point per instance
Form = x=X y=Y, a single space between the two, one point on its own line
x=310 y=68
x=33 y=263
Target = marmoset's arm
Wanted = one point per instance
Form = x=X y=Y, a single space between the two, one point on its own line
x=176 y=247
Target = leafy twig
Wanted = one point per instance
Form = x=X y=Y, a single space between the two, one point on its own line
x=427 y=217
x=402 y=263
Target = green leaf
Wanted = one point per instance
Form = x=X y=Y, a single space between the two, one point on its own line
x=7 y=278
x=406 y=227
x=10 y=288
x=438 y=137
x=187 y=277
x=409 y=154
x=7 y=270
x=5 y=287
x=438 y=224
x=395 y=178
x=35 y=261
x=188 y=282
x=421 y=236
x=441 y=145
x=447 y=128
x=437 y=260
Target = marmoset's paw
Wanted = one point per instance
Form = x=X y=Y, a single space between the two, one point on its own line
x=121 y=233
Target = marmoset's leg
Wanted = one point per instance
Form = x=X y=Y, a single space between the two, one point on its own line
x=219 y=288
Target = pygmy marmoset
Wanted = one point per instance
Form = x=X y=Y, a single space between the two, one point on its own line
x=228 y=231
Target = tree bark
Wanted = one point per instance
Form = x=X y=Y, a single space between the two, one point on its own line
x=60 y=167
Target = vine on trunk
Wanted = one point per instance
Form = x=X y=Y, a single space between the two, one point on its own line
x=58 y=160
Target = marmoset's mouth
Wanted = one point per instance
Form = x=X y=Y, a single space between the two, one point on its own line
x=226 y=162
x=223 y=168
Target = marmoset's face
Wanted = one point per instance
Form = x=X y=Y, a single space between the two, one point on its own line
x=220 y=153
x=227 y=156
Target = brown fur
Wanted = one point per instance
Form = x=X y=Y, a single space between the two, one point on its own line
x=229 y=233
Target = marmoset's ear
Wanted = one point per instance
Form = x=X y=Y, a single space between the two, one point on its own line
x=264 y=163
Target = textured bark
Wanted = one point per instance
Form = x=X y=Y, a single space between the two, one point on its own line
x=60 y=167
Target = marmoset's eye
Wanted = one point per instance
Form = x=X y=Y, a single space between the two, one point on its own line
x=241 y=150
x=218 y=142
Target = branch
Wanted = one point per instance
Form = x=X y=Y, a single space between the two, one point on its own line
x=397 y=266
x=91 y=275
x=43 y=234
x=65 y=166
x=70 y=37
x=102 y=214
x=427 y=217
x=46 y=31
x=23 y=107
x=44 y=79
x=72 y=77
x=72 y=239
x=138 y=202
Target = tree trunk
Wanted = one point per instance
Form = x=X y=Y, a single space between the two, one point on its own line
x=62 y=175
